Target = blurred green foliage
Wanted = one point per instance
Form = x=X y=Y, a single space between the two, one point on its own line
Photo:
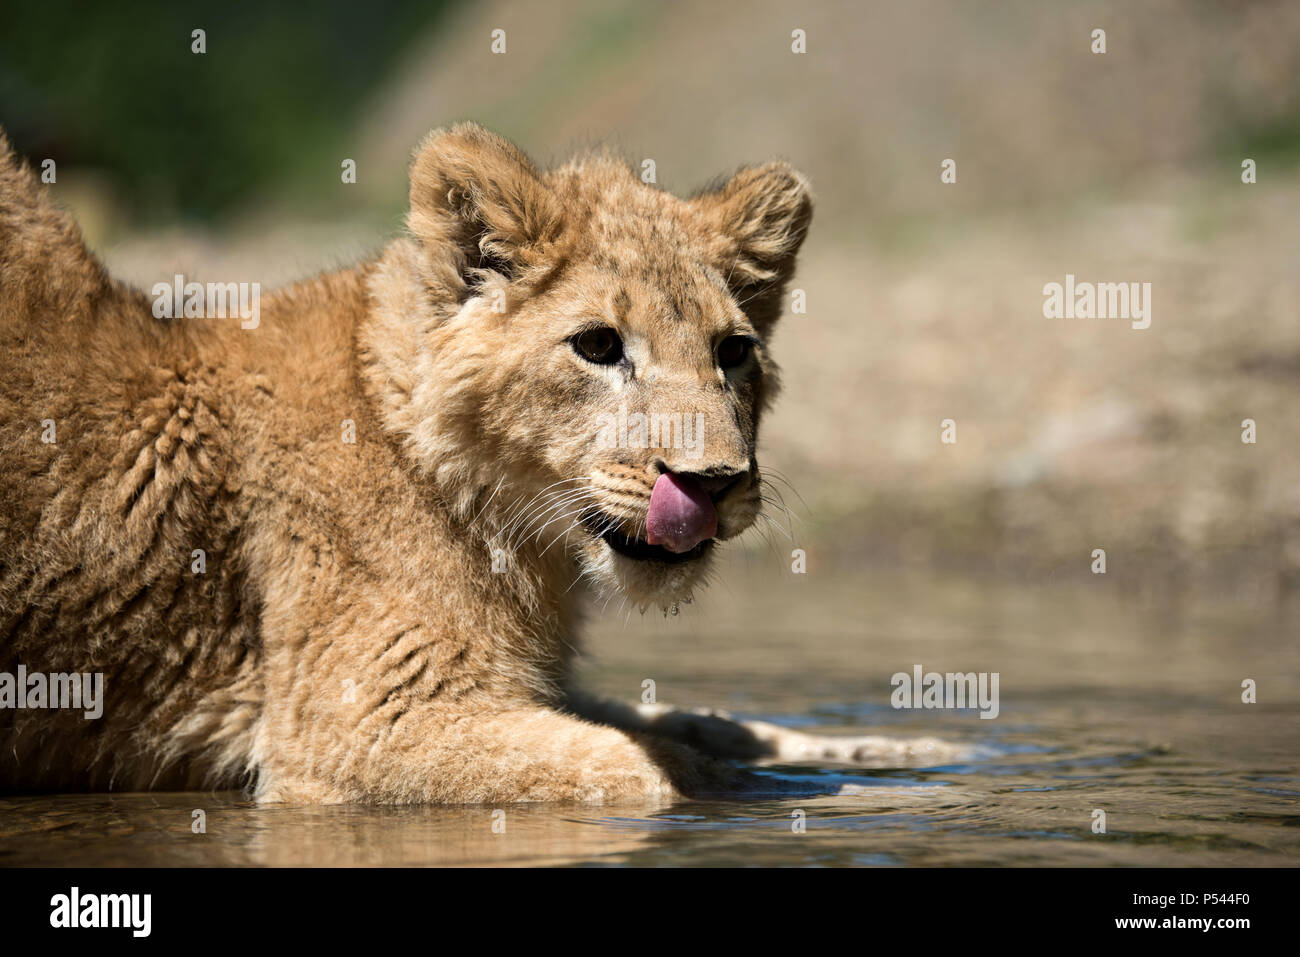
x=115 y=85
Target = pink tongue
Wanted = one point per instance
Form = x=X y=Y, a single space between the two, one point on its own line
x=681 y=514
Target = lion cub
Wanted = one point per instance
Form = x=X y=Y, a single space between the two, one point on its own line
x=332 y=554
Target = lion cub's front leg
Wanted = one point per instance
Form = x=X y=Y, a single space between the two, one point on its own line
x=435 y=755
x=387 y=697
x=718 y=734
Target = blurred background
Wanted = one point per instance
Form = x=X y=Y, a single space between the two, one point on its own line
x=924 y=299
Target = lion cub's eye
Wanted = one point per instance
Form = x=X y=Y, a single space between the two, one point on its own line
x=733 y=350
x=600 y=345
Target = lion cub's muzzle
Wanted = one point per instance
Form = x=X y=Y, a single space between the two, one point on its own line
x=681 y=520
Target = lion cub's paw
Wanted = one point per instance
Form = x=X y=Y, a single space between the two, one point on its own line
x=785 y=744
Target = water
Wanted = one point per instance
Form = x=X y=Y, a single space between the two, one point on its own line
x=1131 y=706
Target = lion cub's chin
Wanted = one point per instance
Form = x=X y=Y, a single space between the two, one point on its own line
x=644 y=584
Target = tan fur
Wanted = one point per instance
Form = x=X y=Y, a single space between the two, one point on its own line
x=339 y=571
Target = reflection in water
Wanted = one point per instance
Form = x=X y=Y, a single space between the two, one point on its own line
x=1105 y=707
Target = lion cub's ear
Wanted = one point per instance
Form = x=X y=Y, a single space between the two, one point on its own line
x=478 y=204
x=759 y=219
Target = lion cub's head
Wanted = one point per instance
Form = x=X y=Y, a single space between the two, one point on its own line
x=579 y=359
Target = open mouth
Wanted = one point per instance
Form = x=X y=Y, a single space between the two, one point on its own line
x=638 y=549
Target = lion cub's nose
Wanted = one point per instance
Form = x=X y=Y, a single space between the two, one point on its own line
x=717 y=485
x=716 y=481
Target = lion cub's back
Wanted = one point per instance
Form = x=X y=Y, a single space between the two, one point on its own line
x=118 y=541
